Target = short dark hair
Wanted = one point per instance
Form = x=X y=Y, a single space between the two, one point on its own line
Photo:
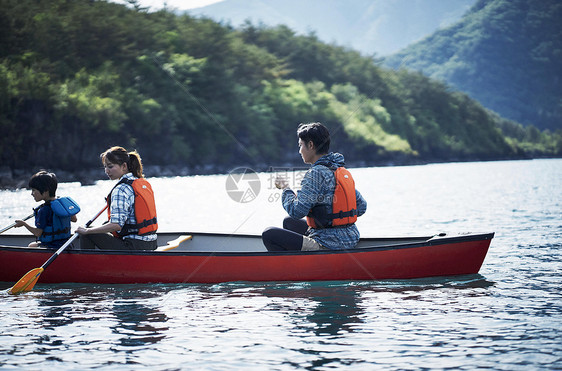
x=318 y=134
x=44 y=181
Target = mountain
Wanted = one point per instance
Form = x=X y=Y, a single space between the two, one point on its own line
x=196 y=96
x=504 y=53
x=378 y=27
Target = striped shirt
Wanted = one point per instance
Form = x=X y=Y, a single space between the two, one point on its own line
x=122 y=208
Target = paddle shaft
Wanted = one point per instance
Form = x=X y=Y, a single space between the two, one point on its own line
x=14 y=224
x=28 y=281
x=70 y=240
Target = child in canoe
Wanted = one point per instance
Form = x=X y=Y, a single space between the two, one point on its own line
x=53 y=217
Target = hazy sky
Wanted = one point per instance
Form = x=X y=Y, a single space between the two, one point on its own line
x=178 y=4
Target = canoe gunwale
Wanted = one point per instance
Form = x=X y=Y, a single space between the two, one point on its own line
x=430 y=241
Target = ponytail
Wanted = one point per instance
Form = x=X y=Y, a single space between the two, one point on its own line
x=135 y=164
x=118 y=155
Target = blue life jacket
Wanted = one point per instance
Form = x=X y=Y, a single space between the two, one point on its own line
x=62 y=210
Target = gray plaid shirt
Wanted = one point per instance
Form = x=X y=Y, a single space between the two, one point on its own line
x=122 y=207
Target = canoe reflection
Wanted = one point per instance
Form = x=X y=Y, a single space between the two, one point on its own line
x=335 y=307
x=126 y=320
x=139 y=324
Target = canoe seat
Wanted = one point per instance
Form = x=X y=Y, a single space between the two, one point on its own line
x=175 y=243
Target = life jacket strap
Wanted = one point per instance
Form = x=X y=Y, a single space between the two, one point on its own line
x=134 y=228
x=143 y=224
x=343 y=214
x=58 y=231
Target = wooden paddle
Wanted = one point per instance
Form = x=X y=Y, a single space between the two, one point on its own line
x=28 y=281
x=175 y=243
x=14 y=224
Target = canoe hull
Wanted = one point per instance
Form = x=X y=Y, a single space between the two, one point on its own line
x=436 y=257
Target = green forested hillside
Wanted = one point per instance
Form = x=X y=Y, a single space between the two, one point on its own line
x=78 y=76
x=505 y=53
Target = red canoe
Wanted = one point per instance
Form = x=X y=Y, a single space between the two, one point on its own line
x=213 y=258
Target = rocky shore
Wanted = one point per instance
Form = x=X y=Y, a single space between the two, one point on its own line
x=19 y=178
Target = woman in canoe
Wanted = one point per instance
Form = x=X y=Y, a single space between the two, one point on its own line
x=131 y=208
x=327 y=198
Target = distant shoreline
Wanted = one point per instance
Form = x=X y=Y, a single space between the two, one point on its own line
x=17 y=179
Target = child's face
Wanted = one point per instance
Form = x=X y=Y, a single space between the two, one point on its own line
x=38 y=196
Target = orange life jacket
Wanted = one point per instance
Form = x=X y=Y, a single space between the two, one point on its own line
x=343 y=210
x=145 y=209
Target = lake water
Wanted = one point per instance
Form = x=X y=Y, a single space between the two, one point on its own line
x=508 y=317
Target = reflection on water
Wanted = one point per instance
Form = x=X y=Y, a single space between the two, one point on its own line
x=331 y=309
x=138 y=324
x=307 y=324
x=135 y=323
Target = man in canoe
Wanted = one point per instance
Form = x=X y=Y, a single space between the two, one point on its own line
x=327 y=198
x=131 y=208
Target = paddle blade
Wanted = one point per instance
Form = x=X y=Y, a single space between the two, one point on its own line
x=27 y=282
